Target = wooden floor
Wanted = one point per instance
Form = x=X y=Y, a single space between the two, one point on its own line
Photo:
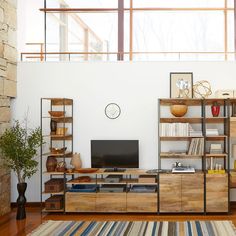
x=9 y=226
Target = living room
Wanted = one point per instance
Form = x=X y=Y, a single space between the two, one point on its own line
x=138 y=88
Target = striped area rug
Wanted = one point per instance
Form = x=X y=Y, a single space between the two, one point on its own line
x=136 y=228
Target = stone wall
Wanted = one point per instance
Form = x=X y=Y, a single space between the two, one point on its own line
x=8 y=63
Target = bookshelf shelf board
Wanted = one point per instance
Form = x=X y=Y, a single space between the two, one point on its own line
x=216 y=155
x=215 y=119
x=62 y=192
x=216 y=138
x=59 y=101
x=189 y=102
x=59 y=119
x=44 y=210
x=175 y=155
x=59 y=137
x=210 y=101
x=181 y=120
x=125 y=181
x=57 y=173
x=178 y=138
x=59 y=155
x=93 y=181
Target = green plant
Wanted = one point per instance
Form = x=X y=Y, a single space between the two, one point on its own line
x=19 y=146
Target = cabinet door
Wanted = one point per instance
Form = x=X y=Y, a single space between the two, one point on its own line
x=216 y=192
x=170 y=193
x=80 y=202
x=111 y=202
x=192 y=192
x=142 y=202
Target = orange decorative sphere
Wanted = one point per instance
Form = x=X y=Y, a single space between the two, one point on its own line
x=178 y=110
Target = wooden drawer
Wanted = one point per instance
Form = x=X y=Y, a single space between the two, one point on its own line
x=80 y=202
x=216 y=192
x=170 y=193
x=232 y=126
x=142 y=202
x=192 y=193
x=111 y=202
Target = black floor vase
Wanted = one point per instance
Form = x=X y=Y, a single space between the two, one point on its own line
x=21 y=200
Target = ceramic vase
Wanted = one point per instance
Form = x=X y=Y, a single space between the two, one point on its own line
x=53 y=126
x=51 y=164
x=76 y=161
x=21 y=200
x=215 y=109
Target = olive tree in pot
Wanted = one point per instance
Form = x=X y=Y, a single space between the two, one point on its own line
x=19 y=146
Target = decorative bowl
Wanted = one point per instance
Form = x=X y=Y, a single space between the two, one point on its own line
x=56 y=114
x=178 y=110
x=58 y=150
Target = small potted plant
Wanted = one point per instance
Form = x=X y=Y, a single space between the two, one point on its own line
x=19 y=146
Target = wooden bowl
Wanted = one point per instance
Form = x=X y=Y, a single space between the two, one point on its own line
x=87 y=170
x=56 y=114
x=58 y=150
x=178 y=110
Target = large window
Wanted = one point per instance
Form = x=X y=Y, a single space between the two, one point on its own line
x=138 y=30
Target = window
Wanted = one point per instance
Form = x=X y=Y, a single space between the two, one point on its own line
x=139 y=30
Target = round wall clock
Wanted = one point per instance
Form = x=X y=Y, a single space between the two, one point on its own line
x=112 y=111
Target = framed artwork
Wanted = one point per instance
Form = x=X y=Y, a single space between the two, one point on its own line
x=181 y=85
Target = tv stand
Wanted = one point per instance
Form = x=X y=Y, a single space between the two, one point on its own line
x=115 y=170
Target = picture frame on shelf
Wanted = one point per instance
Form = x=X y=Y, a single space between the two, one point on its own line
x=181 y=85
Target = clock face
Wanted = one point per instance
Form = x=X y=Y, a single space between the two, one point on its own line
x=112 y=111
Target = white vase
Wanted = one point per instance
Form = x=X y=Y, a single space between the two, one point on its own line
x=76 y=161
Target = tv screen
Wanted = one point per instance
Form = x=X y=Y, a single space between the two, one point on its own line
x=114 y=153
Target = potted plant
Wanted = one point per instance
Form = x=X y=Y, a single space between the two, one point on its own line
x=19 y=146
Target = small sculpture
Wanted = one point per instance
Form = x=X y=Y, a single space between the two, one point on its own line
x=202 y=89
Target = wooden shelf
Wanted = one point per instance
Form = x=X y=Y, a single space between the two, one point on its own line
x=59 y=155
x=210 y=101
x=188 y=102
x=178 y=138
x=59 y=119
x=57 y=173
x=216 y=155
x=93 y=181
x=176 y=155
x=216 y=138
x=59 y=101
x=215 y=119
x=59 y=137
x=181 y=120
x=44 y=210
x=58 y=193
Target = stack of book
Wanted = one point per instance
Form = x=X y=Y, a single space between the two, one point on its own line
x=216 y=148
x=174 y=129
x=196 y=147
x=212 y=132
x=194 y=133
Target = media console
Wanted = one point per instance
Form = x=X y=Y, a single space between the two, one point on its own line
x=163 y=192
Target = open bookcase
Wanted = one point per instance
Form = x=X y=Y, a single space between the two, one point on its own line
x=177 y=146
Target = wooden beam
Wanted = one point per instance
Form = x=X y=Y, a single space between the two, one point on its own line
x=131 y=31
x=120 y=56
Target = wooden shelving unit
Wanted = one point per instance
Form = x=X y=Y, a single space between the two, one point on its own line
x=202 y=120
x=58 y=141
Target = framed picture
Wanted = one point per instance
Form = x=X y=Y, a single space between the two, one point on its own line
x=181 y=85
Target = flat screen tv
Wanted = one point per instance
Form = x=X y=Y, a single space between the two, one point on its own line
x=115 y=154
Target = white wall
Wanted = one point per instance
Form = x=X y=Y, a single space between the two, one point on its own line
x=134 y=86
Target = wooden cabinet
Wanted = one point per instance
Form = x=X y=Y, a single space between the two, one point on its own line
x=232 y=126
x=192 y=189
x=170 y=193
x=80 y=202
x=216 y=192
x=181 y=192
x=111 y=202
x=141 y=202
